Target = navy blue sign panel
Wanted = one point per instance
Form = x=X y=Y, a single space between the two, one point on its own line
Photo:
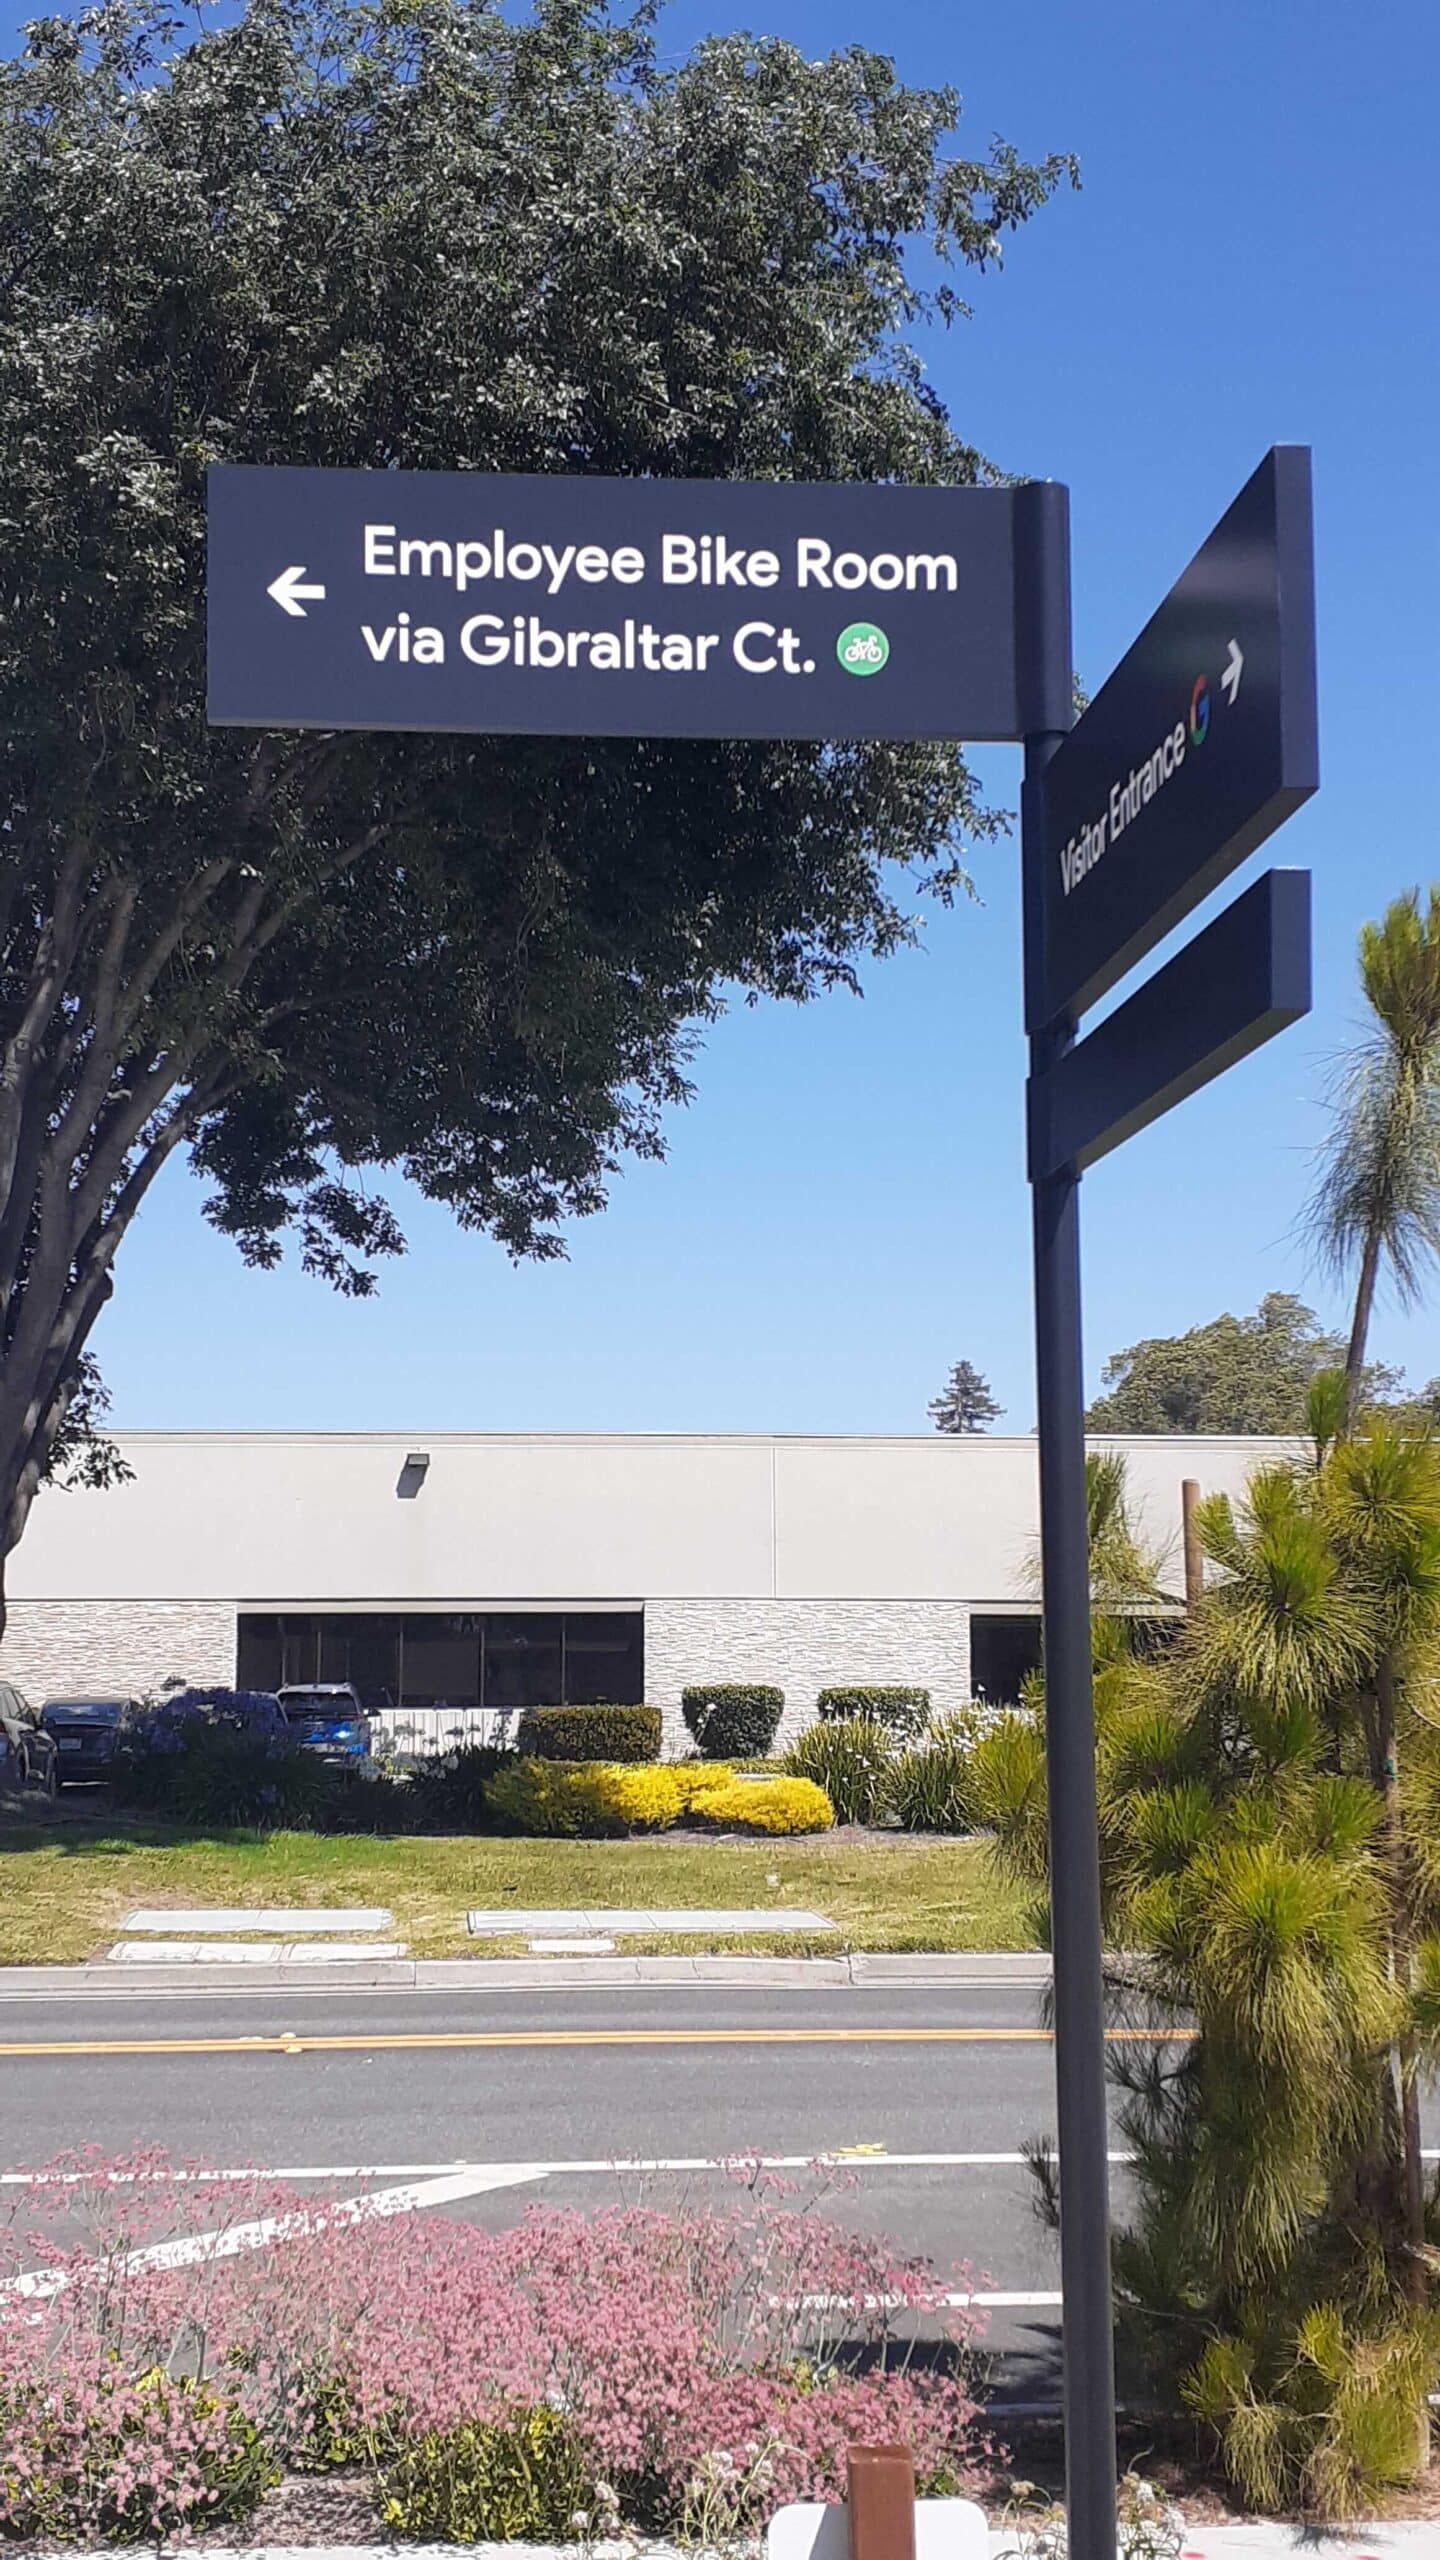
x=621 y=608
x=1199 y=745
x=1244 y=978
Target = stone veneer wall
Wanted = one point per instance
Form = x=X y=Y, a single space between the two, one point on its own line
x=62 y=1648
x=803 y=1646
x=55 y=1648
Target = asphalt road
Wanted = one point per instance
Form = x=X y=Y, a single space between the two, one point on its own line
x=930 y=2092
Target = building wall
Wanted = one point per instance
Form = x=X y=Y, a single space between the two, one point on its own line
x=802 y=1646
x=802 y=1562
x=323 y=1519
x=66 y=1648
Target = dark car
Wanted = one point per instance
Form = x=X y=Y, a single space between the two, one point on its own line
x=85 y=1732
x=326 y=1717
x=28 y=1756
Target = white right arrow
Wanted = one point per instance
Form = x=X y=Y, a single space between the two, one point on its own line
x=1232 y=671
x=287 y=592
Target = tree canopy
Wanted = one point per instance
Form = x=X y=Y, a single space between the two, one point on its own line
x=964 y=1403
x=1239 y=1373
x=1377 y=1205
x=416 y=233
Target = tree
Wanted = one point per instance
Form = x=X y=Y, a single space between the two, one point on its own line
x=1378 y=1202
x=965 y=1403
x=418 y=233
x=1237 y=1374
x=1268 y=1792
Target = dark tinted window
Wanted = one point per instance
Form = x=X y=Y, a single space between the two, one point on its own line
x=1002 y=1651
x=501 y=1658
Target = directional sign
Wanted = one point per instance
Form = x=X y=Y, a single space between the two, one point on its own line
x=623 y=608
x=1199 y=745
x=1244 y=978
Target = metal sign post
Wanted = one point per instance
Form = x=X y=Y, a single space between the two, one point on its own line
x=1125 y=825
x=1087 y=2321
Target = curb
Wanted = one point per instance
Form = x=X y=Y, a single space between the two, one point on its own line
x=538 y=1973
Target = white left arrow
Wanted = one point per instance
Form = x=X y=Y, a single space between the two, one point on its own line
x=287 y=591
x=1230 y=673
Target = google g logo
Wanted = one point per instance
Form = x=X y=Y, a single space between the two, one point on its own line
x=1199 y=711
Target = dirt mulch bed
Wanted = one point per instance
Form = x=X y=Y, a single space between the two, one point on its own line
x=338 y=2508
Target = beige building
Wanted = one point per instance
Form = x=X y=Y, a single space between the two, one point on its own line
x=457 y=1576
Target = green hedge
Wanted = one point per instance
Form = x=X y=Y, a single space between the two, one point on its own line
x=590 y=1733
x=899 y=1710
x=732 y=1722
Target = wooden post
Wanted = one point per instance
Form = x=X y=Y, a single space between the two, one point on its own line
x=1194 y=1561
x=881 y=2501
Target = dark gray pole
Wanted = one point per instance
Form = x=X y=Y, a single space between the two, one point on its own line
x=1065 y=1569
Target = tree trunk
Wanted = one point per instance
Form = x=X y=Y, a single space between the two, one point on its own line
x=1360 y=1323
x=1412 y=2160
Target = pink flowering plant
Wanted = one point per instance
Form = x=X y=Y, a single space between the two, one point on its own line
x=153 y=2380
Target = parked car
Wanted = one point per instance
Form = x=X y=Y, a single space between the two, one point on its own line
x=86 y=1731
x=326 y=1717
x=28 y=1757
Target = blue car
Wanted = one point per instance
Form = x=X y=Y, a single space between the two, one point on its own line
x=326 y=1717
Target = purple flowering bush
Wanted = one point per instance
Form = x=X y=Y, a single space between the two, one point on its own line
x=221 y=1757
x=149 y=2387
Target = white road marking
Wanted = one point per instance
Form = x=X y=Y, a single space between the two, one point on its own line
x=726 y=2162
x=201 y=2248
x=629 y=1923
x=234 y=1921
x=251 y=1951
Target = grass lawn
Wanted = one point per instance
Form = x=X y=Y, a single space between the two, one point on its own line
x=64 y=1890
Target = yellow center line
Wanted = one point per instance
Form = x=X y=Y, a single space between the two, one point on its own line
x=531 y=2039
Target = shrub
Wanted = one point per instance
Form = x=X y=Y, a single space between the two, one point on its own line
x=734 y=1722
x=658 y=2339
x=453 y=1793
x=136 y=2458
x=773 y=1805
x=590 y=1733
x=932 y=1788
x=556 y=1799
x=698 y=1778
x=520 y=2479
x=901 y=1711
x=222 y=1777
x=850 y=1759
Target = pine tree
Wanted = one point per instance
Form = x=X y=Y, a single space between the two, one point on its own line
x=965 y=1402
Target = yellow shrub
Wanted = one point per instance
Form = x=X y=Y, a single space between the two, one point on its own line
x=699 y=1778
x=591 y=1800
x=771 y=1805
x=647 y=1799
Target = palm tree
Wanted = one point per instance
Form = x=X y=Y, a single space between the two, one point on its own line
x=1378 y=1201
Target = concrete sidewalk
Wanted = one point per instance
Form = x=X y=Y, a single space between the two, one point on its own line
x=1203 y=2542
x=534 y=1973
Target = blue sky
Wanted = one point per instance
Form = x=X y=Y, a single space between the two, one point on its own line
x=1253 y=259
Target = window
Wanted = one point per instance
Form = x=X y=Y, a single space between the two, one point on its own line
x=439 y=1661
x=505 y=1659
x=524 y=1662
x=604 y=1660
x=1002 y=1652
